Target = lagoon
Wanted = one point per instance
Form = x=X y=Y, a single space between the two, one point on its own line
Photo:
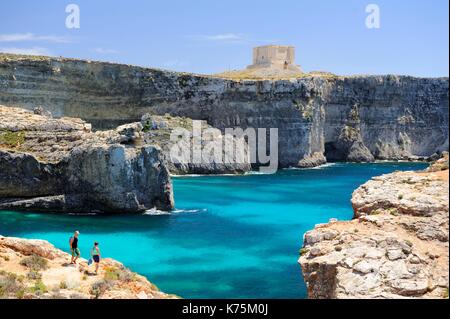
x=229 y=237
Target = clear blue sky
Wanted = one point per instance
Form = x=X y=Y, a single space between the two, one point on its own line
x=212 y=36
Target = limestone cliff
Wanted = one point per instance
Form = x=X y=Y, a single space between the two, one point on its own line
x=60 y=165
x=159 y=129
x=345 y=118
x=396 y=247
x=35 y=269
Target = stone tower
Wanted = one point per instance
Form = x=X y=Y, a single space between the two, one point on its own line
x=279 y=57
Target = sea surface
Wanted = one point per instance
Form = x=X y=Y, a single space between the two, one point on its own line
x=229 y=237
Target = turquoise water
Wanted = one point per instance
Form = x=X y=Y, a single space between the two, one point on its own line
x=232 y=237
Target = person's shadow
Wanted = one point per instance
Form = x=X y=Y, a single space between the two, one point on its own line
x=67 y=264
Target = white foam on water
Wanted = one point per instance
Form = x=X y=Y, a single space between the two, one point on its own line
x=157 y=212
x=205 y=175
x=324 y=166
x=316 y=167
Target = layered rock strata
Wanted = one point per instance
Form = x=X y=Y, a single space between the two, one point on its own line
x=213 y=153
x=397 y=246
x=356 y=118
x=61 y=165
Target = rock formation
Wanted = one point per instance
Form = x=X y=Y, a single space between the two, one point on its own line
x=35 y=269
x=397 y=246
x=158 y=131
x=356 y=118
x=61 y=165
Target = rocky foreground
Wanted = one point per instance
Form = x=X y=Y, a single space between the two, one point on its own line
x=58 y=165
x=35 y=269
x=397 y=246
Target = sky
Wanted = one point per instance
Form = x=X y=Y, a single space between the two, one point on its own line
x=210 y=36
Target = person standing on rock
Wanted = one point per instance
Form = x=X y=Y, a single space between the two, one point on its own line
x=74 y=247
x=95 y=254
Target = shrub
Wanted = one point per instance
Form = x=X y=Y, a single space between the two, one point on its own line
x=34 y=275
x=20 y=293
x=63 y=285
x=10 y=285
x=119 y=273
x=39 y=287
x=126 y=275
x=303 y=251
x=393 y=211
x=112 y=273
x=99 y=287
x=35 y=262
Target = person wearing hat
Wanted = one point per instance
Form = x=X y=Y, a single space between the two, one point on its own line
x=74 y=247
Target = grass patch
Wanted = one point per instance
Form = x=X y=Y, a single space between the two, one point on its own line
x=303 y=251
x=112 y=273
x=39 y=287
x=393 y=211
x=63 y=285
x=35 y=262
x=116 y=273
x=12 y=139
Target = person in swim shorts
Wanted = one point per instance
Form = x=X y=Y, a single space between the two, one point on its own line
x=95 y=254
x=74 y=247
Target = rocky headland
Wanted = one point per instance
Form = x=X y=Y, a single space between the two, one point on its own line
x=161 y=131
x=35 y=269
x=397 y=245
x=60 y=165
x=319 y=116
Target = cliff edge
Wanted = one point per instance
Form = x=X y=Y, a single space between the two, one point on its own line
x=397 y=246
x=35 y=269
x=319 y=117
x=61 y=165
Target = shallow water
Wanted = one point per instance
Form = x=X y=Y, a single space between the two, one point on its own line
x=230 y=237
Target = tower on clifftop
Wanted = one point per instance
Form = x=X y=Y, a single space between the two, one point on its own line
x=279 y=57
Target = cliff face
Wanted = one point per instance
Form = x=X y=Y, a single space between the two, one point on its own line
x=396 y=247
x=35 y=269
x=160 y=130
x=391 y=117
x=347 y=118
x=60 y=165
